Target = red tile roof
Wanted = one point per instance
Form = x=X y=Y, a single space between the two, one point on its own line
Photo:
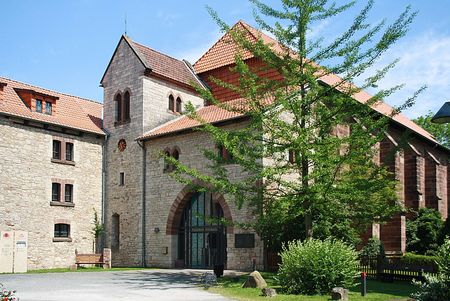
x=71 y=111
x=222 y=53
x=165 y=65
x=211 y=114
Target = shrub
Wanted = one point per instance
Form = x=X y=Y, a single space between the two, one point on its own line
x=373 y=248
x=423 y=233
x=418 y=259
x=432 y=289
x=443 y=261
x=6 y=295
x=436 y=288
x=315 y=267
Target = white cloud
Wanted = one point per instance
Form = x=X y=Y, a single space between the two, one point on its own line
x=424 y=60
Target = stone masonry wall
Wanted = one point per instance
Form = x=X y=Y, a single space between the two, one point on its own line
x=124 y=73
x=162 y=192
x=26 y=191
x=148 y=109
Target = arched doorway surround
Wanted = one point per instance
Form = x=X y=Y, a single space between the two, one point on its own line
x=201 y=243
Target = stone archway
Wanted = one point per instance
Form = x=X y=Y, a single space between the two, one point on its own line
x=176 y=210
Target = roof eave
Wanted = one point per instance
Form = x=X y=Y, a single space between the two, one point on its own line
x=177 y=132
x=102 y=133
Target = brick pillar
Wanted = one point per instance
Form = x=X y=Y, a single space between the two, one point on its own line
x=431 y=198
x=411 y=181
x=448 y=191
x=107 y=258
x=441 y=189
x=392 y=232
x=421 y=180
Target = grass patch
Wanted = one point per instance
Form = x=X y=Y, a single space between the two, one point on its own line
x=376 y=290
x=81 y=269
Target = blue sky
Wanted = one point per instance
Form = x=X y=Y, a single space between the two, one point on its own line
x=66 y=45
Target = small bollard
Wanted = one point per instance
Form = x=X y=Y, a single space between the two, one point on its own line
x=363 y=284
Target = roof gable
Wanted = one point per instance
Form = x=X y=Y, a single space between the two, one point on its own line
x=72 y=112
x=159 y=64
x=223 y=52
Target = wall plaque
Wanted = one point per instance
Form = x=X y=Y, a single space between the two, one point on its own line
x=244 y=240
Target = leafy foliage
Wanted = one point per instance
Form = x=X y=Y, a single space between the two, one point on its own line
x=373 y=248
x=417 y=259
x=440 y=131
x=6 y=295
x=423 y=233
x=437 y=288
x=332 y=186
x=315 y=266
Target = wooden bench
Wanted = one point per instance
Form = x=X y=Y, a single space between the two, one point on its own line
x=89 y=259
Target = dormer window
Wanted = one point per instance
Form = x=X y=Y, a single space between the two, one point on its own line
x=39 y=105
x=48 y=108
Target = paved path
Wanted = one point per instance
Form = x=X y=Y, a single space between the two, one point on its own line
x=158 y=285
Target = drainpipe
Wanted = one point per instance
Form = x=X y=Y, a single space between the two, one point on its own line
x=104 y=175
x=144 y=171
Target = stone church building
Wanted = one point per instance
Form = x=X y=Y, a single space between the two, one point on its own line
x=110 y=161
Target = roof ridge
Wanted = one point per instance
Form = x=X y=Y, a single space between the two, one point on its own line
x=51 y=91
x=212 y=46
x=152 y=49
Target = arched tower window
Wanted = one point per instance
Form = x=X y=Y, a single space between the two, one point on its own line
x=167 y=165
x=171 y=103
x=126 y=106
x=115 y=231
x=118 y=100
x=178 y=105
x=176 y=154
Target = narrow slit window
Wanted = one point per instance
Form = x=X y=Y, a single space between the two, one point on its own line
x=122 y=179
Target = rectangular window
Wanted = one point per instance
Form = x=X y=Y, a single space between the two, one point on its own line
x=39 y=105
x=48 y=108
x=56 y=149
x=69 y=151
x=122 y=179
x=224 y=155
x=62 y=230
x=68 y=193
x=56 y=192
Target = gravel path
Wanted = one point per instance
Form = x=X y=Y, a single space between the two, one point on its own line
x=160 y=285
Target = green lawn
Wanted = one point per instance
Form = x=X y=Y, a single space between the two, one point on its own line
x=377 y=291
x=82 y=269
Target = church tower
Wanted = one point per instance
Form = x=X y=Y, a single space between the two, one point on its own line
x=143 y=89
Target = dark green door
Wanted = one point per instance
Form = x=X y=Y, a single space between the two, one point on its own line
x=201 y=238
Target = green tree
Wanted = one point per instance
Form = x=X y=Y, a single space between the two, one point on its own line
x=440 y=131
x=424 y=232
x=331 y=186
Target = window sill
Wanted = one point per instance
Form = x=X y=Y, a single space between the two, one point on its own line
x=59 y=161
x=119 y=123
x=62 y=239
x=62 y=204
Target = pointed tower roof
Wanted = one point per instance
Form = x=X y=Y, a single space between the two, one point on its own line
x=160 y=64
